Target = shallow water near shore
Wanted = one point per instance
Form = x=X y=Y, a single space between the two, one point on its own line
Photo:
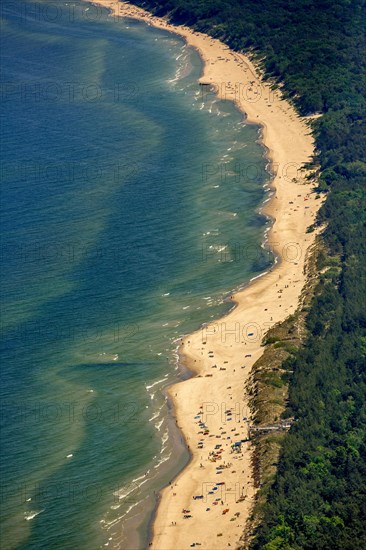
x=130 y=210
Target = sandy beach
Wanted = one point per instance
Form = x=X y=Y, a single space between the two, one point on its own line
x=211 y=407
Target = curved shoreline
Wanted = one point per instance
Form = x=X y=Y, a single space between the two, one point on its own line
x=233 y=342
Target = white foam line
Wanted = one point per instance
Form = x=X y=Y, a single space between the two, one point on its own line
x=155 y=383
x=260 y=275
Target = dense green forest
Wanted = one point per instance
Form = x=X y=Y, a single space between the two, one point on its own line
x=316 y=51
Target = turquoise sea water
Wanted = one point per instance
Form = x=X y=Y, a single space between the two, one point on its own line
x=130 y=204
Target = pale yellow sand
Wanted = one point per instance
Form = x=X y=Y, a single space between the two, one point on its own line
x=264 y=302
